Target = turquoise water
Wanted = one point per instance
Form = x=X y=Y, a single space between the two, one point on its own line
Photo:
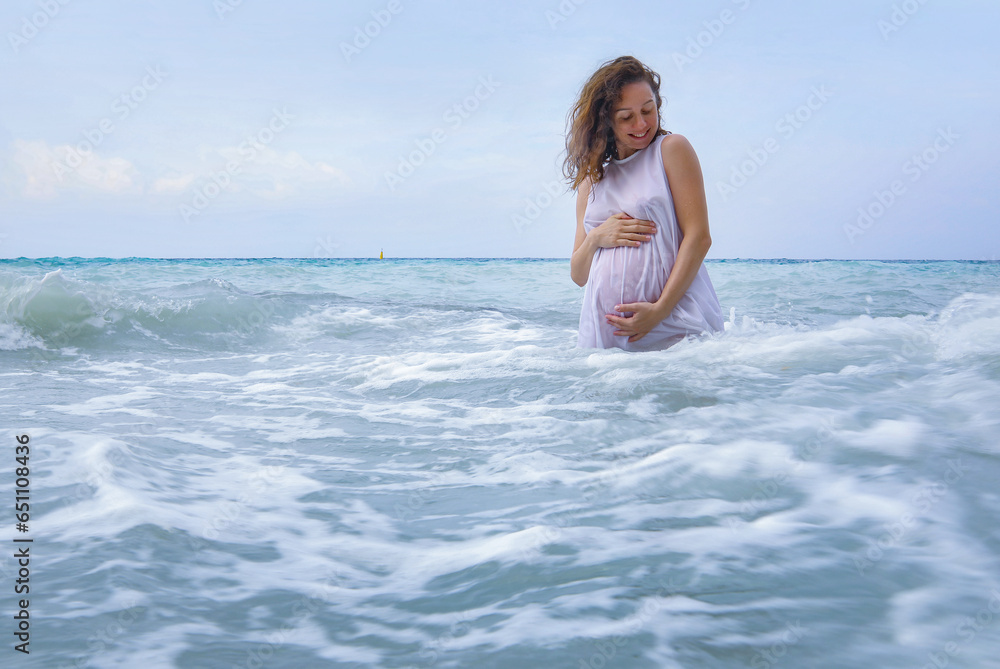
x=406 y=463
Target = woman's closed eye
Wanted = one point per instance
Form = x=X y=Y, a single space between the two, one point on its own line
x=646 y=112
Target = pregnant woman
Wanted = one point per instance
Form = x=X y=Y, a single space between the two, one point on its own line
x=642 y=221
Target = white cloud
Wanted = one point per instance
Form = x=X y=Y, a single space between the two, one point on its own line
x=48 y=170
x=172 y=184
x=269 y=173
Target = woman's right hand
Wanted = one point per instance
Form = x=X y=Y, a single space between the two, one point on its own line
x=623 y=230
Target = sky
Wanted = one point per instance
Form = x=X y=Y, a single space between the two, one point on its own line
x=247 y=128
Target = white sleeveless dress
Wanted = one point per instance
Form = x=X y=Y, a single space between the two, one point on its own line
x=638 y=186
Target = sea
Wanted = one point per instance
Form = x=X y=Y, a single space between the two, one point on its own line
x=242 y=464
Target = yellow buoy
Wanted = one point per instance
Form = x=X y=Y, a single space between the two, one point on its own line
x=380 y=254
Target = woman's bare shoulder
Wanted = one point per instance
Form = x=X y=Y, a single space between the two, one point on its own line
x=677 y=150
x=675 y=144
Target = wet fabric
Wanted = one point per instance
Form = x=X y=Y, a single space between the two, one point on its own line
x=638 y=186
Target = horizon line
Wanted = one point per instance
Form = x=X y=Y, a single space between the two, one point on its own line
x=376 y=258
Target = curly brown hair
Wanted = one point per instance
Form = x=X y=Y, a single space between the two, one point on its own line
x=590 y=138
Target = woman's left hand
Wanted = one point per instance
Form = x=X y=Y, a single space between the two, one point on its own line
x=645 y=316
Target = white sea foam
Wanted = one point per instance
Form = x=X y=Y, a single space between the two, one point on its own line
x=432 y=473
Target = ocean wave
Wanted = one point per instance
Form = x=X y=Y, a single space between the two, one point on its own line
x=435 y=475
x=55 y=311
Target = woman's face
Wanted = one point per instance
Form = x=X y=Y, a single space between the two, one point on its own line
x=634 y=118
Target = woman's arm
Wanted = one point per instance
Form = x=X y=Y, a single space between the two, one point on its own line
x=688 y=189
x=618 y=230
x=584 y=247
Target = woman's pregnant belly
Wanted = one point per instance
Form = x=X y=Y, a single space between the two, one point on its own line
x=624 y=274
